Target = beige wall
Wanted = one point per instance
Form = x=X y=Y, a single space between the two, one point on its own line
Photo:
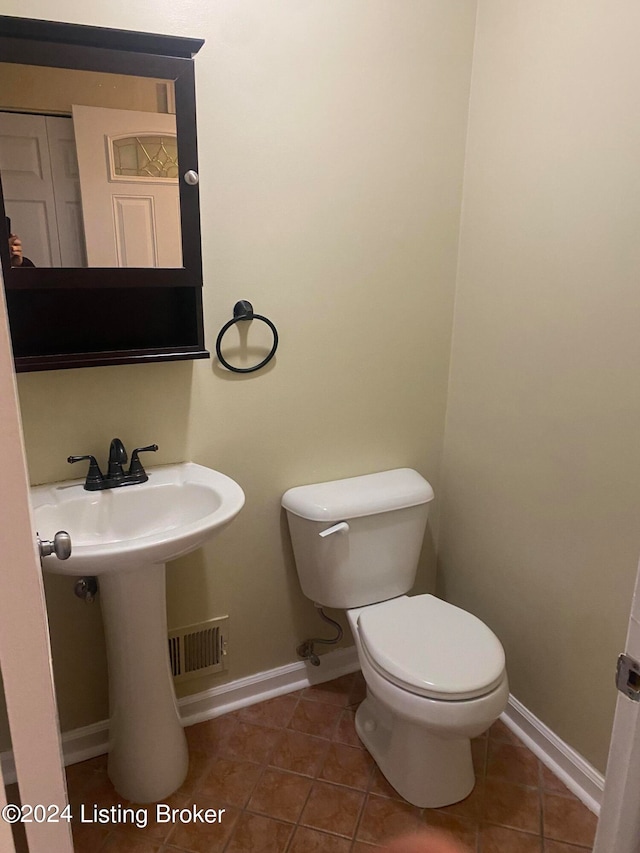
x=331 y=138
x=541 y=531
x=34 y=88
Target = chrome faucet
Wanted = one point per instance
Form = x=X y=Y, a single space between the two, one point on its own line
x=116 y=475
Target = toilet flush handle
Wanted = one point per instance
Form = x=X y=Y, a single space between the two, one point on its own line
x=342 y=526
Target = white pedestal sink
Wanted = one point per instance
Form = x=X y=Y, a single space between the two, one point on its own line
x=125 y=536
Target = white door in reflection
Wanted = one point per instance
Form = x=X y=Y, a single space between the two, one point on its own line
x=128 y=168
x=41 y=189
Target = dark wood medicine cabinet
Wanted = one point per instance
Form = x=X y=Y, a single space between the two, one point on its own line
x=91 y=314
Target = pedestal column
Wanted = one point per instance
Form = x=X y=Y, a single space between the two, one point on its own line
x=148 y=757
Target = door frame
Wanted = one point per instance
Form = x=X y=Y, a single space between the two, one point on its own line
x=619 y=823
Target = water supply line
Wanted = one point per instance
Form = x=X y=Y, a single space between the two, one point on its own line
x=306 y=651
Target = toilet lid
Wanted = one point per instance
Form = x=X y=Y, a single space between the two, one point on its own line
x=432 y=648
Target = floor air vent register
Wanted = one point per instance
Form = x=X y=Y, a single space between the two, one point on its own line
x=198 y=649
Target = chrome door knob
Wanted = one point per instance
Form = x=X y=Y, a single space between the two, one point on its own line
x=60 y=545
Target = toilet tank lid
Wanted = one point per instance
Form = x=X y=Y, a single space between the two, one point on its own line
x=355 y=497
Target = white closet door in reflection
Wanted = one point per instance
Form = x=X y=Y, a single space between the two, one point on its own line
x=28 y=187
x=66 y=190
x=130 y=220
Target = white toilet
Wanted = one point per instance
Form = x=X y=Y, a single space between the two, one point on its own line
x=435 y=674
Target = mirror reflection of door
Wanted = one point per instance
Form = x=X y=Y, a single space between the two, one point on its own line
x=41 y=188
x=39 y=168
x=128 y=170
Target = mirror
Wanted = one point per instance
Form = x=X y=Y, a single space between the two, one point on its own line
x=99 y=193
x=89 y=166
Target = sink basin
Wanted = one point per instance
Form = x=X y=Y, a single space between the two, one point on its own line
x=174 y=512
x=125 y=536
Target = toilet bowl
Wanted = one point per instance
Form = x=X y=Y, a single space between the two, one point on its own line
x=427 y=718
x=435 y=674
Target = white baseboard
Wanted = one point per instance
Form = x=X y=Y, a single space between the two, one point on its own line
x=265 y=685
x=77 y=745
x=569 y=766
x=90 y=741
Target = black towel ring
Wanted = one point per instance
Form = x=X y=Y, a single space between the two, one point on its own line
x=243 y=310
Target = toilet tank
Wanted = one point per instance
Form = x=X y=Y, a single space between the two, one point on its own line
x=373 y=529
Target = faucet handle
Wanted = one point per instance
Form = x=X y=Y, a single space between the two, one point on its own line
x=135 y=468
x=94 y=474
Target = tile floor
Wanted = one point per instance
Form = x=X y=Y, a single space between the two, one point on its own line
x=293 y=777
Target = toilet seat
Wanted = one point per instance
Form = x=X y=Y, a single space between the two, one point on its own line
x=431 y=648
